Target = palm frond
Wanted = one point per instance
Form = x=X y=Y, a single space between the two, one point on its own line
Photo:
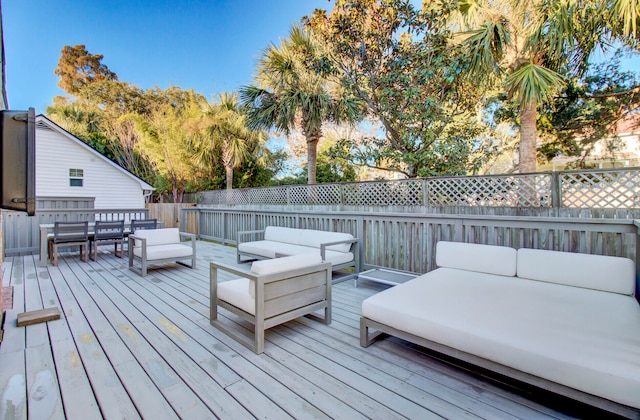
x=533 y=83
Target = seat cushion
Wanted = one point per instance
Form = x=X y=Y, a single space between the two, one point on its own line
x=577 y=337
x=160 y=252
x=158 y=236
x=236 y=292
x=269 y=249
x=609 y=274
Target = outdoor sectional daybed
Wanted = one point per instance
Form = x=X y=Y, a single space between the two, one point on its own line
x=340 y=249
x=565 y=322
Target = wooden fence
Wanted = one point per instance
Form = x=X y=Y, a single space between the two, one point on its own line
x=168 y=213
x=603 y=193
x=407 y=242
x=22 y=232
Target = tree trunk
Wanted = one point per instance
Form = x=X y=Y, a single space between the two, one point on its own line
x=228 y=169
x=312 y=151
x=528 y=137
x=228 y=162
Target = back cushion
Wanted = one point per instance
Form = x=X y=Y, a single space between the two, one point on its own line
x=314 y=238
x=292 y=262
x=277 y=265
x=159 y=236
x=490 y=259
x=307 y=237
x=609 y=274
x=282 y=234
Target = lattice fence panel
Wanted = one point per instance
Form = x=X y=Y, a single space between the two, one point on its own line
x=601 y=189
x=494 y=191
x=385 y=193
x=275 y=195
x=235 y=197
x=327 y=194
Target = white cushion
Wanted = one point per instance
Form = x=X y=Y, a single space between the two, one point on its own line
x=314 y=238
x=278 y=265
x=581 y=338
x=160 y=252
x=158 y=236
x=491 y=259
x=336 y=257
x=307 y=237
x=236 y=292
x=609 y=274
x=281 y=234
x=269 y=249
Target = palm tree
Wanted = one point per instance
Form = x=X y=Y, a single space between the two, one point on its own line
x=223 y=127
x=525 y=45
x=292 y=89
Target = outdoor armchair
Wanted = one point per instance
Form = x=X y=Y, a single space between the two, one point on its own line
x=273 y=292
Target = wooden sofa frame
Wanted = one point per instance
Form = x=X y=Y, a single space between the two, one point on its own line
x=144 y=262
x=354 y=248
x=279 y=297
x=382 y=330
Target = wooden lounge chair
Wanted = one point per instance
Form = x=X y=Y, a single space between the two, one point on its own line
x=69 y=234
x=273 y=292
x=108 y=233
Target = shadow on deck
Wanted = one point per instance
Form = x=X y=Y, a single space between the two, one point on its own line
x=133 y=347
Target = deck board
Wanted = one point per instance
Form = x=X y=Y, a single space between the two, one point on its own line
x=142 y=347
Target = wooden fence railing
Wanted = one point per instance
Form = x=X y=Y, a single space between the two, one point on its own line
x=22 y=232
x=407 y=242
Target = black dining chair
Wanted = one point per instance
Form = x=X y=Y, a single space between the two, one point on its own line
x=70 y=234
x=143 y=224
x=111 y=232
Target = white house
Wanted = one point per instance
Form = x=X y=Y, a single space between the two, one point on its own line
x=68 y=167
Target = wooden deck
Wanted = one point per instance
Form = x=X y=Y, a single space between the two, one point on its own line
x=132 y=347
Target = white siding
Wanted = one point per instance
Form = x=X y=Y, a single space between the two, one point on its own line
x=56 y=154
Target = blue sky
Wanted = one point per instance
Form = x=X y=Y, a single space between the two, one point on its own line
x=208 y=45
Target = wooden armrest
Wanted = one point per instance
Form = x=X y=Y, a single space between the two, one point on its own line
x=186 y=235
x=233 y=270
x=324 y=246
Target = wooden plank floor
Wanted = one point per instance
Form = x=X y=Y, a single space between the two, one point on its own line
x=133 y=347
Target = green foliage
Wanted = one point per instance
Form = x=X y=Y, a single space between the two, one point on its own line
x=399 y=62
x=293 y=88
x=78 y=69
x=172 y=138
x=587 y=109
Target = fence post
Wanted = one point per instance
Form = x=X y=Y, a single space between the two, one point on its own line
x=425 y=193
x=556 y=191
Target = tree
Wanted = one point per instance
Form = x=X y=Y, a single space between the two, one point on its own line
x=77 y=69
x=294 y=87
x=223 y=126
x=588 y=109
x=398 y=61
x=529 y=46
x=166 y=143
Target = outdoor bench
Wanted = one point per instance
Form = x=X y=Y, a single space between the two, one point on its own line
x=340 y=249
x=565 y=322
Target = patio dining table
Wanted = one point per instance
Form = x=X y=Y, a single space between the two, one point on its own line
x=46 y=231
